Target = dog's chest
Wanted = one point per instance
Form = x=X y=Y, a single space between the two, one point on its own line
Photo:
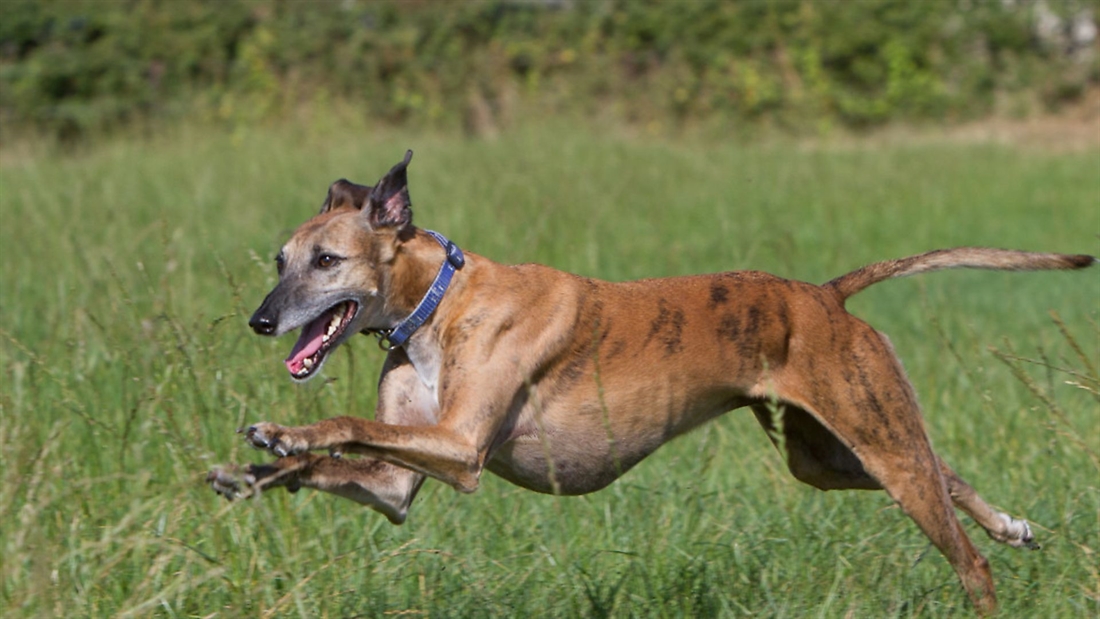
x=427 y=361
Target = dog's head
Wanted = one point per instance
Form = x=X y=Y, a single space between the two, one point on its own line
x=335 y=268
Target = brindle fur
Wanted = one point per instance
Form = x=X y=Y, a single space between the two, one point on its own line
x=561 y=384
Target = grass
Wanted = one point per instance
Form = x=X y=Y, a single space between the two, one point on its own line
x=129 y=270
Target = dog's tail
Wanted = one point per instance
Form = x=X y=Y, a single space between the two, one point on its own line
x=959 y=257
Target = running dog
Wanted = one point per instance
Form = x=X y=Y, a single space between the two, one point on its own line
x=560 y=384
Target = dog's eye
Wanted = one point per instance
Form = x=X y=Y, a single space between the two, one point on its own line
x=327 y=260
x=280 y=263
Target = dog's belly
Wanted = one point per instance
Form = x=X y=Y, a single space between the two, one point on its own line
x=574 y=454
x=532 y=463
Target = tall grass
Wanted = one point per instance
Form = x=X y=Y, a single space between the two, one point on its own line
x=129 y=271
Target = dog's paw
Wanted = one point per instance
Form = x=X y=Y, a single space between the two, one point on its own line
x=1026 y=538
x=274 y=438
x=1015 y=533
x=231 y=482
x=234 y=482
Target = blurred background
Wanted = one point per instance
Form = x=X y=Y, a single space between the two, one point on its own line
x=70 y=67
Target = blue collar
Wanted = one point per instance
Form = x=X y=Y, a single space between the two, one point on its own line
x=396 y=337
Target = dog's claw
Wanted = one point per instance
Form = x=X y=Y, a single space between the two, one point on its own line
x=254 y=437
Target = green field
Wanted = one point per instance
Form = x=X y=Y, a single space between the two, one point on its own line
x=130 y=268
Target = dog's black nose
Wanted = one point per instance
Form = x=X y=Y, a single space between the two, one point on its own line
x=262 y=325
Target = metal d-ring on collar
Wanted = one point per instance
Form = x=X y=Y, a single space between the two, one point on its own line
x=390 y=339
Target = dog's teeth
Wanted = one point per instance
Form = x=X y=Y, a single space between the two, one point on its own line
x=333 y=324
x=308 y=363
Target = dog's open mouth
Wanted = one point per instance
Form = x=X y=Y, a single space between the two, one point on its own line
x=319 y=337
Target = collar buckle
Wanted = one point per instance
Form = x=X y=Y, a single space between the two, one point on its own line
x=384 y=342
x=454 y=254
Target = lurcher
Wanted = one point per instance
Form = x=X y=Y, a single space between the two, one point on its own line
x=560 y=383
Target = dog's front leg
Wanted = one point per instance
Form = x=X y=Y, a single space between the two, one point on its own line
x=409 y=429
x=435 y=451
x=236 y=482
x=387 y=488
x=382 y=486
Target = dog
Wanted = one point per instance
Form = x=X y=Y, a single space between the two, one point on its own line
x=561 y=384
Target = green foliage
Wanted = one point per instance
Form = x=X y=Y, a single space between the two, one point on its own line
x=71 y=66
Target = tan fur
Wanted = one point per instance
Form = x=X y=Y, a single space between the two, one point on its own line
x=561 y=384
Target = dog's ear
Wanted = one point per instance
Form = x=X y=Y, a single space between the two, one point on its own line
x=388 y=204
x=345 y=193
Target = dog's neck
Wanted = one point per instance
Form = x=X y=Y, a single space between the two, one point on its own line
x=423 y=269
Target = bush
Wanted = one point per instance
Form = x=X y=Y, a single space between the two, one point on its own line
x=72 y=66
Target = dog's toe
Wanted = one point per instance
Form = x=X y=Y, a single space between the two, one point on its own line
x=255 y=436
x=273 y=438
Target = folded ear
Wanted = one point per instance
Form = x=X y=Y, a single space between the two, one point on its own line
x=345 y=193
x=388 y=204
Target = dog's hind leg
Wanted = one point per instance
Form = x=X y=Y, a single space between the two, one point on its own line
x=917 y=485
x=998 y=525
x=868 y=405
x=816 y=457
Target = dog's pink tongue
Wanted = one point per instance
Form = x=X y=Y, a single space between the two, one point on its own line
x=309 y=342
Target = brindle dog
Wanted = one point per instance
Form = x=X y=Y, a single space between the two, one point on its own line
x=560 y=383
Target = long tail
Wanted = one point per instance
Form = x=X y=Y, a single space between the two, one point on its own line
x=959 y=257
